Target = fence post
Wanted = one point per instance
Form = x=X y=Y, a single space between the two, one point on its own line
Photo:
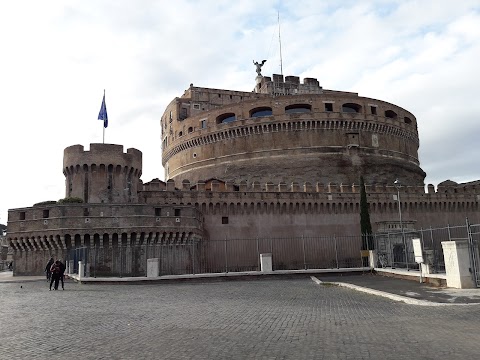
x=258 y=254
x=304 y=257
x=433 y=247
x=120 y=255
x=449 y=235
x=336 y=252
x=94 y=261
x=226 y=261
x=193 y=256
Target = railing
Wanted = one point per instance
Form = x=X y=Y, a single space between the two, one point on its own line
x=221 y=256
x=395 y=249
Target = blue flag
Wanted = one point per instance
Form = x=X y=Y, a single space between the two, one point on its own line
x=102 y=115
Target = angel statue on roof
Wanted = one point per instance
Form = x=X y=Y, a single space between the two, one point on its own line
x=259 y=66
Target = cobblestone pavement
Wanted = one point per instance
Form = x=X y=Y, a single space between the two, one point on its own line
x=265 y=319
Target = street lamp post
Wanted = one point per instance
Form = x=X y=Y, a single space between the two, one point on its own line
x=397 y=185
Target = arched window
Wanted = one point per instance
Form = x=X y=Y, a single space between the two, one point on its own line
x=407 y=120
x=351 y=108
x=180 y=133
x=390 y=114
x=298 y=108
x=260 y=111
x=190 y=129
x=226 y=118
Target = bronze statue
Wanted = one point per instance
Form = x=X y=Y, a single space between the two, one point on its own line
x=259 y=66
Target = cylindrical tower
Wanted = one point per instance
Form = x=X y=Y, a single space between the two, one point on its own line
x=327 y=136
x=105 y=174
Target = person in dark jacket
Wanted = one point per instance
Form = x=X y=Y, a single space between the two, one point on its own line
x=48 y=267
x=62 y=273
x=56 y=271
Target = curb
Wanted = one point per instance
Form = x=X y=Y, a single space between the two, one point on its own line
x=390 y=296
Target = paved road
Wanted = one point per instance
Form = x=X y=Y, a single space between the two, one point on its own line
x=265 y=319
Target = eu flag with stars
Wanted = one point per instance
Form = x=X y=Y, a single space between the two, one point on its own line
x=102 y=115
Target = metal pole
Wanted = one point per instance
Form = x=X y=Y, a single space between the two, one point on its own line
x=336 y=252
x=258 y=255
x=193 y=257
x=226 y=261
x=449 y=234
x=433 y=247
x=304 y=257
x=94 y=261
x=397 y=186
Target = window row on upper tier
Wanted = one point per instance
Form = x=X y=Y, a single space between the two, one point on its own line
x=307 y=108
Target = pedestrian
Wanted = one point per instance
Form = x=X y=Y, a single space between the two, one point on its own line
x=55 y=271
x=62 y=273
x=48 y=267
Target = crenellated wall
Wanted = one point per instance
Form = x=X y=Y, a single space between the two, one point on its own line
x=104 y=174
x=305 y=209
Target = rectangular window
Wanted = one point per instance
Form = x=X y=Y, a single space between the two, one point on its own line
x=22 y=215
x=328 y=107
x=196 y=106
x=46 y=214
x=86 y=212
x=373 y=110
x=177 y=212
x=203 y=124
x=158 y=211
x=224 y=219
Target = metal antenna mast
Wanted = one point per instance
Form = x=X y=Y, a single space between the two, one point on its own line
x=280 y=42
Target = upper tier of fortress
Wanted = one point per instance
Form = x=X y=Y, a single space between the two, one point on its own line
x=288 y=131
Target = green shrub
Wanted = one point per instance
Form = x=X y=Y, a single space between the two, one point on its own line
x=49 y=202
x=70 y=200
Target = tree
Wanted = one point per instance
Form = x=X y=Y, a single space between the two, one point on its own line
x=365 y=224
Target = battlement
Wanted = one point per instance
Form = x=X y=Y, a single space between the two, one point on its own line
x=104 y=174
x=289 y=86
x=215 y=185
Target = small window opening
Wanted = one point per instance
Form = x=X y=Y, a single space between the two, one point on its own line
x=203 y=124
x=46 y=213
x=190 y=129
x=224 y=219
x=351 y=108
x=158 y=211
x=86 y=212
x=298 y=108
x=373 y=110
x=390 y=114
x=407 y=120
x=22 y=215
x=177 y=212
x=328 y=107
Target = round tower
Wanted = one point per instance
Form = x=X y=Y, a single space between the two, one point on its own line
x=293 y=132
x=105 y=174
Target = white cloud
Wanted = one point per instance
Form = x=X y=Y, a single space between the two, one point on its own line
x=58 y=56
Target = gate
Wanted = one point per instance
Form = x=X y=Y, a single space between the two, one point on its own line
x=474 y=250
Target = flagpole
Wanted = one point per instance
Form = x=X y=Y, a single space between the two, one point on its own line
x=103 y=125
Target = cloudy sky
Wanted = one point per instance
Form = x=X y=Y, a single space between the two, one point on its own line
x=57 y=57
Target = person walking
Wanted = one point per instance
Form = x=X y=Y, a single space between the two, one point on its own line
x=62 y=273
x=55 y=271
x=48 y=268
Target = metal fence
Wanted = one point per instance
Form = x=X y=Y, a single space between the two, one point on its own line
x=394 y=249
x=226 y=255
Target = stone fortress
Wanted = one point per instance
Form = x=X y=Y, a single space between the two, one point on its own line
x=283 y=160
